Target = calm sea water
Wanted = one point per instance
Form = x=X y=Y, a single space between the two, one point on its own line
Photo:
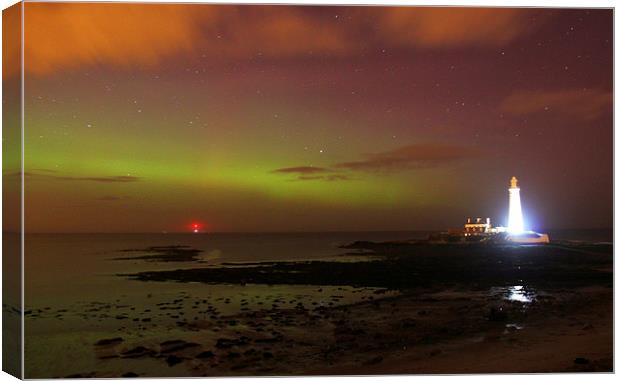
x=72 y=265
x=77 y=266
x=587 y=235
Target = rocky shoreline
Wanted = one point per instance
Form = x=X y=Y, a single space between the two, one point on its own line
x=411 y=308
x=404 y=266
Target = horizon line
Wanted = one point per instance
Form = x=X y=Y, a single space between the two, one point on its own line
x=283 y=232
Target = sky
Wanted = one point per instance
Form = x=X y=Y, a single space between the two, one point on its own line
x=148 y=118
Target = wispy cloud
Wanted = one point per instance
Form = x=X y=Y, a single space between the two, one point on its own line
x=99 y=179
x=103 y=179
x=61 y=35
x=582 y=104
x=448 y=27
x=304 y=170
x=309 y=173
x=335 y=177
x=409 y=157
x=414 y=156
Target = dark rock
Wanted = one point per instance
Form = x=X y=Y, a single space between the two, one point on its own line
x=205 y=355
x=130 y=374
x=138 y=351
x=373 y=361
x=250 y=352
x=176 y=345
x=172 y=360
x=581 y=361
x=497 y=314
x=228 y=343
x=112 y=341
x=233 y=355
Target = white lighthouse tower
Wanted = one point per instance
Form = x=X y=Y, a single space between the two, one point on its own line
x=515 y=216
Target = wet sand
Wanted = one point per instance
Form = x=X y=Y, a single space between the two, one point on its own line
x=412 y=308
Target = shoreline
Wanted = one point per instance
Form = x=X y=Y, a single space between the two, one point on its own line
x=413 y=309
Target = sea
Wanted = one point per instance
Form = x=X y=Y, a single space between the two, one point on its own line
x=77 y=291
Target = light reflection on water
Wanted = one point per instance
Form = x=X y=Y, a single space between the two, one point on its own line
x=517 y=293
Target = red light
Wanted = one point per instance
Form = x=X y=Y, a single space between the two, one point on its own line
x=195 y=227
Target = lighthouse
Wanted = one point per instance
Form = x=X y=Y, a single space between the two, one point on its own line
x=514 y=233
x=515 y=216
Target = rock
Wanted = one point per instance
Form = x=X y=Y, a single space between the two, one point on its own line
x=172 y=360
x=138 y=351
x=233 y=355
x=130 y=374
x=497 y=314
x=223 y=343
x=176 y=345
x=267 y=355
x=205 y=355
x=373 y=361
x=581 y=361
x=82 y=375
x=112 y=341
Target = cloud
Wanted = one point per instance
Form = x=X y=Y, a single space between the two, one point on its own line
x=99 y=179
x=582 y=104
x=413 y=156
x=325 y=177
x=308 y=173
x=103 y=179
x=449 y=27
x=66 y=36
x=302 y=170
x=59 y=36
x=11 y=40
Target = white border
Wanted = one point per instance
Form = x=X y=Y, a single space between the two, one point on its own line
x=501 y=3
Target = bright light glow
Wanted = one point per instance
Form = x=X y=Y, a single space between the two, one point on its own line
x=196 y=227
x=519 y=294
x=515 y=216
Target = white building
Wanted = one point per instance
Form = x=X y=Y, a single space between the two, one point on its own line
x=477 y=227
